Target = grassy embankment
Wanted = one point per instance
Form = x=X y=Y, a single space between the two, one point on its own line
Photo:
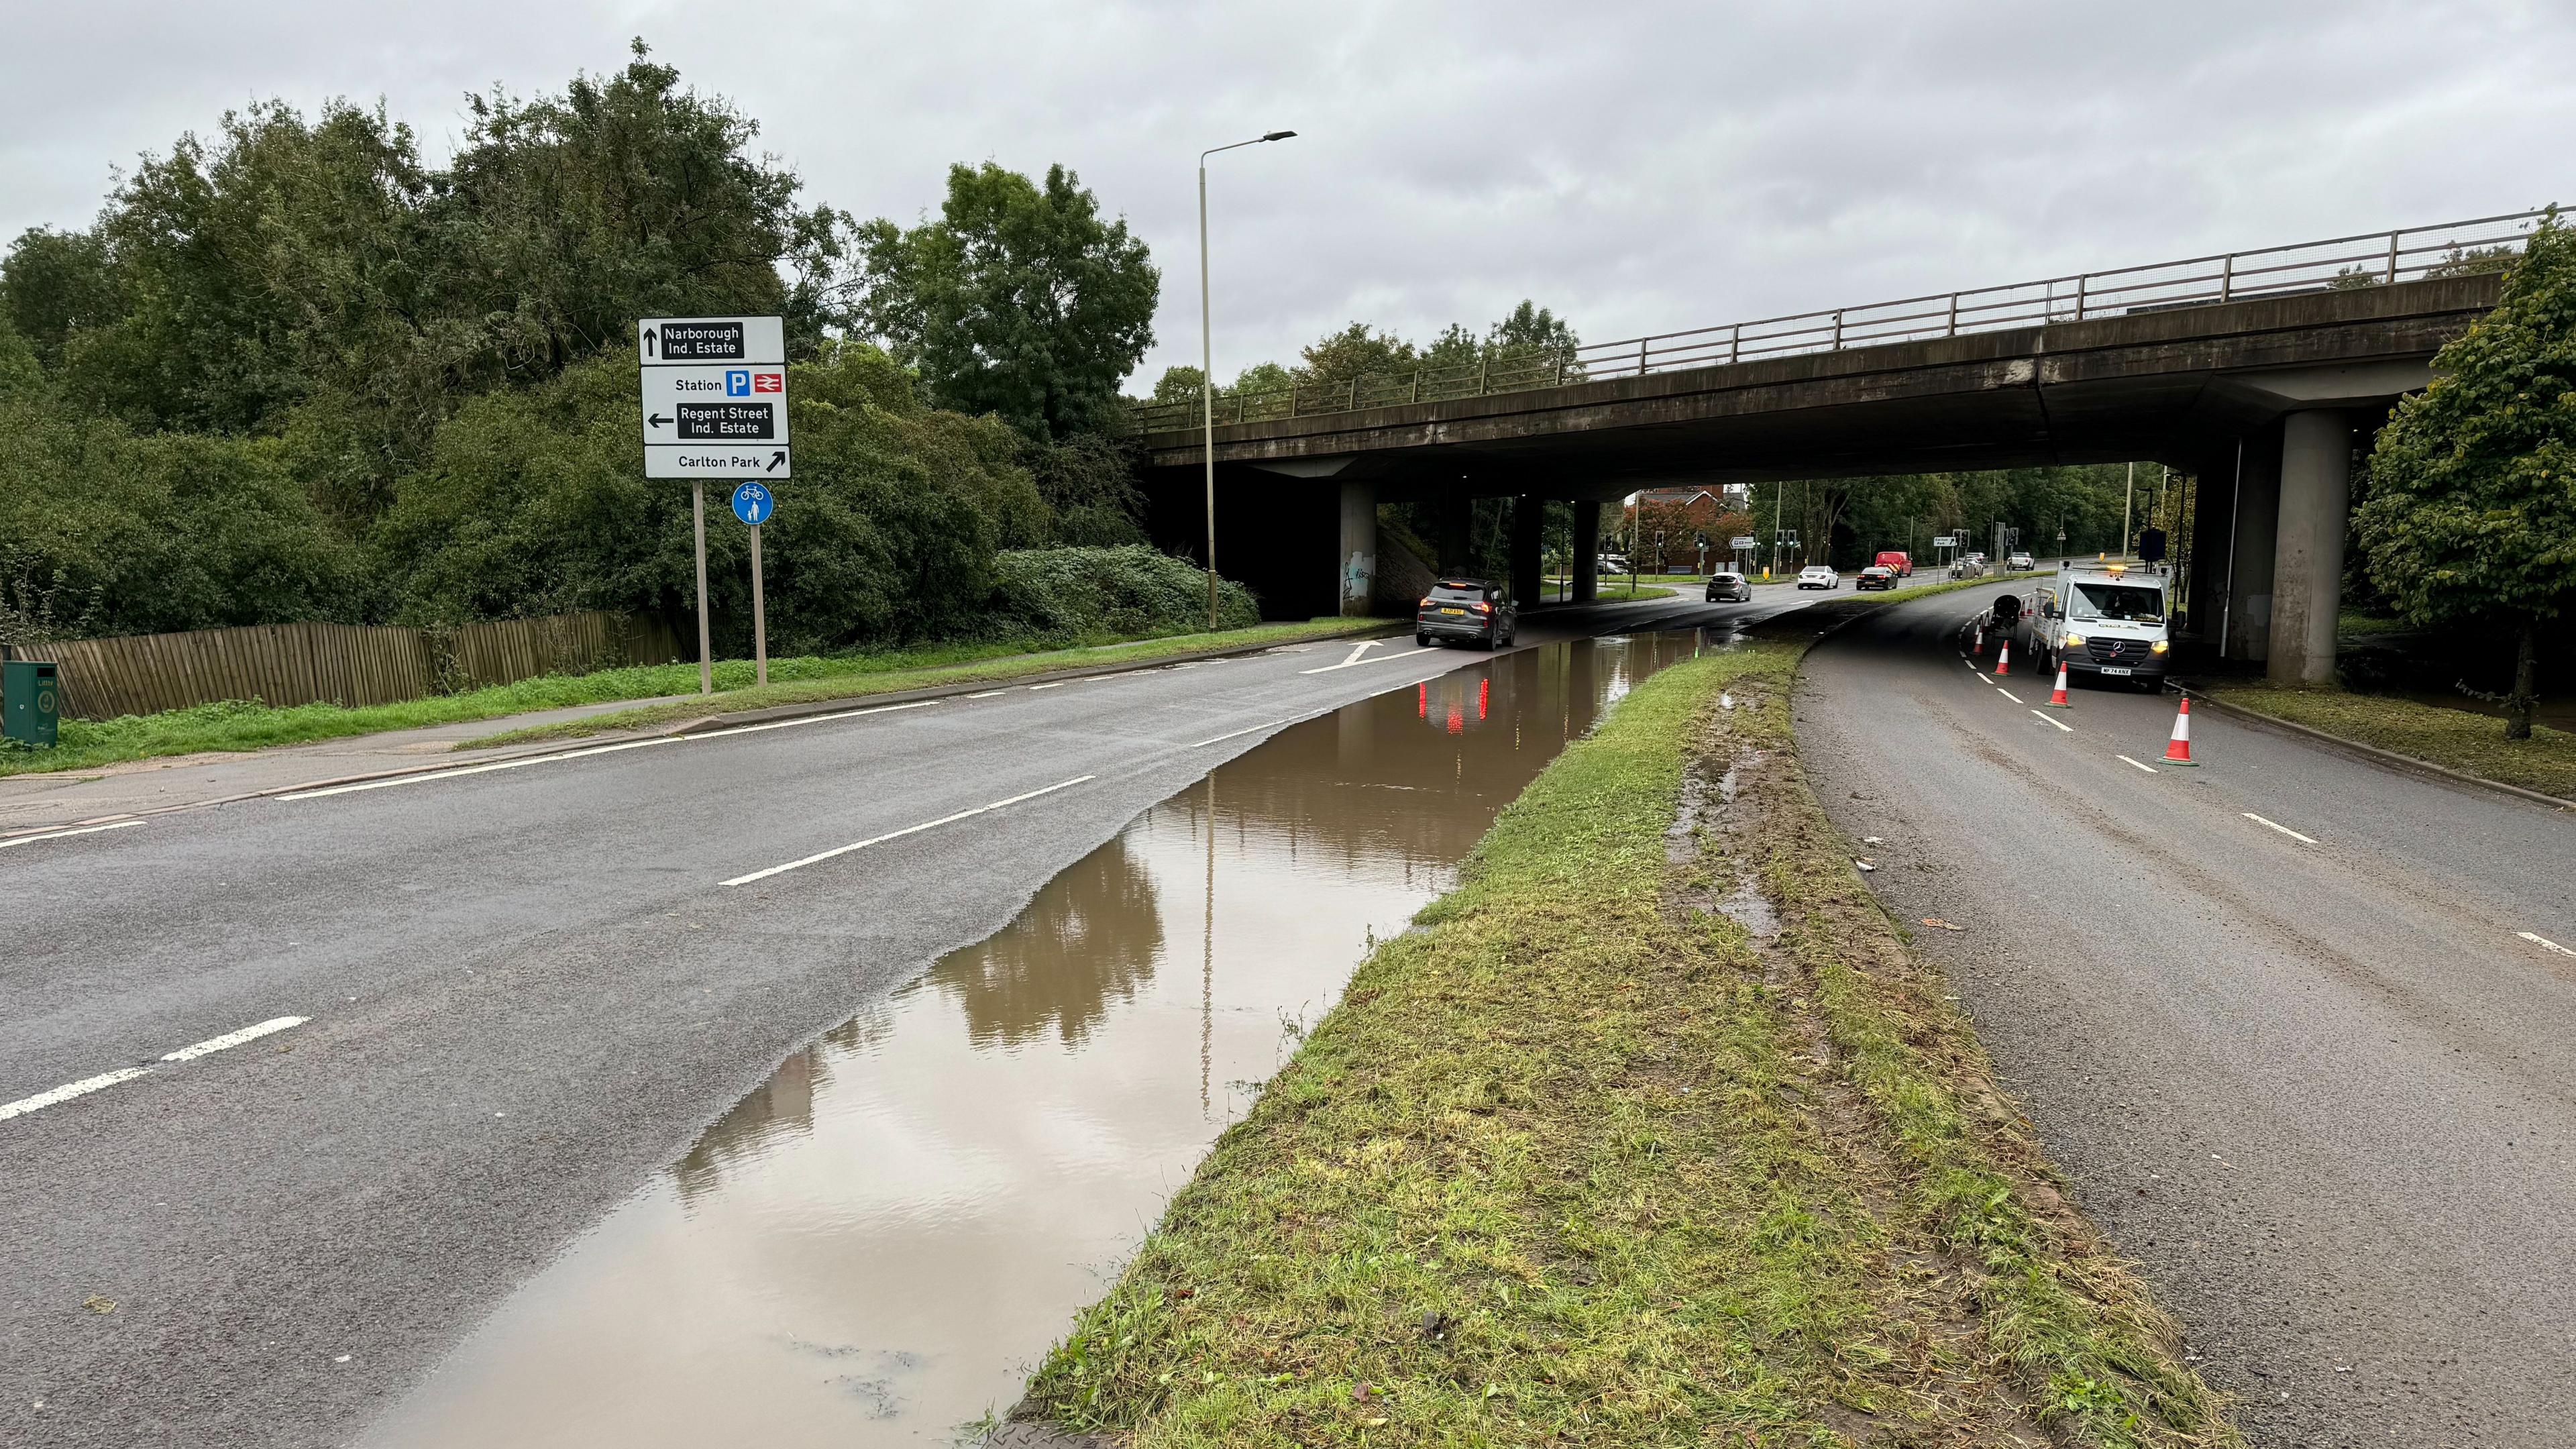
x=2455 y=739
x=234 y=725
x=1583 y=1159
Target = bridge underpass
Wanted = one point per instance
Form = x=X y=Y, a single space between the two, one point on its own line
x=2258 y=374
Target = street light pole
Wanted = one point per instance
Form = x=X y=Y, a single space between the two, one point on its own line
x=1207 y=365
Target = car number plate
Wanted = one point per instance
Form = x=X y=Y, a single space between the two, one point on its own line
x=2117 y=669
x=1453 y=611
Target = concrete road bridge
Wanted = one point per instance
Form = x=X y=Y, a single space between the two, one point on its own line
x=2258 y=373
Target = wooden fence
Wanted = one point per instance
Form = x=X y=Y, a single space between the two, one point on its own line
x=349 y=664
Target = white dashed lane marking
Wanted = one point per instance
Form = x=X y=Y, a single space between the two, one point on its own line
x=2277 y=825
x=2052 y=719
x=2150 y=769
x=215 y=1044
x=840 y=850
x=103 y=1080
x=2546 y=944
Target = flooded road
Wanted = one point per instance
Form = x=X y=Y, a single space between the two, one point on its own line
x=876 y=1245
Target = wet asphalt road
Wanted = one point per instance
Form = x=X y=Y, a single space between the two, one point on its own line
x=527 y=989
x=2324 y=1092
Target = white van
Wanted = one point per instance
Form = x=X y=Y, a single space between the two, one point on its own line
x=2104 y=619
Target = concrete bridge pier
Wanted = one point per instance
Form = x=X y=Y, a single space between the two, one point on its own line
x=1358 y=552
x=2245 y=606
x=2307 y=569
x=1529 y=515
x=1587 y=550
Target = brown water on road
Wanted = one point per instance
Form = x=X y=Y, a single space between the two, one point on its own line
x=877 y=1245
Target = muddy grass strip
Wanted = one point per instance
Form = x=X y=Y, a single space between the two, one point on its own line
x=1653 y=1131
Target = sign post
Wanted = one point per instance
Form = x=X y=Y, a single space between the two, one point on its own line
x=698 y=526
x=714 y=393
x=753 y=503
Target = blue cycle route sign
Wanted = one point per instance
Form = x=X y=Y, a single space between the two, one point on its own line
x=753 y=503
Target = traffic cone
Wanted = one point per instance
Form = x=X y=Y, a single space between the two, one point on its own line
x=2057 y=696
x=2003 y=659
x=2178 y=749
x=1980 y=650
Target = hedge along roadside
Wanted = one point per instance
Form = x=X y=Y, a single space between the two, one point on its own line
x=1584 y=1159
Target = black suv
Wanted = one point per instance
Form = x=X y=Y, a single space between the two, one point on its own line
x=1471 y=609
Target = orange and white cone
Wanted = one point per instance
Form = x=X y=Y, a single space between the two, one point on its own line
x=2178 y=749
x=2057 y=696
x=2003 y=659
x=1980 y=650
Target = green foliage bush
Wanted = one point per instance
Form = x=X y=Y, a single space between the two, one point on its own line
x=1075 y=593
x=295 y=371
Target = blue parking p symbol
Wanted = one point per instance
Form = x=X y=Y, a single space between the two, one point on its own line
x=738 y=382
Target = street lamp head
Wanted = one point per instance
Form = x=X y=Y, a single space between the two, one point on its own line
x=1278 y=135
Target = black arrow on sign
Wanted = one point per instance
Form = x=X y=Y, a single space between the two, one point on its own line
x=657 y=420
x=652 y=339
x=777 y=460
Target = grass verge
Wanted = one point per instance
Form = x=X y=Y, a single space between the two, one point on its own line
x=1587 y=1159
x=2455 y=739
x=235 y=725
x=808 y=691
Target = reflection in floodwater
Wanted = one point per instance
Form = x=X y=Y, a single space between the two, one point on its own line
x=875 y=1246
x=1094 y=933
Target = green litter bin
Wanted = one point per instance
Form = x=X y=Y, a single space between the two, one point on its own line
x=30 y=701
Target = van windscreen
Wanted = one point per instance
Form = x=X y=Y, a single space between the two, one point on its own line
x=2127 y=603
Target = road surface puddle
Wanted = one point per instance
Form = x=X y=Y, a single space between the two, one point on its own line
x=876 y=1245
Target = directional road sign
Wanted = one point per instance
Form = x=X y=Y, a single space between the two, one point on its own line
x=753 y=503
x=1741 y=540
x=714 y=397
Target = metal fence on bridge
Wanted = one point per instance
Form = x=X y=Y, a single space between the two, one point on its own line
x=2367 y=259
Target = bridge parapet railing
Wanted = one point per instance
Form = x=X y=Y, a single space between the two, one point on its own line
x=2364 y=259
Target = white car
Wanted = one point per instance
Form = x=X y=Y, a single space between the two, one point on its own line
x=1817 y=576
x=2020 y=563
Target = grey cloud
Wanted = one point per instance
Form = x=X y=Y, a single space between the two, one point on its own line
x=1636 y=167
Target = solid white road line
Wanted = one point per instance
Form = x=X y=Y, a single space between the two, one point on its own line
x=2008 y=694
x=780 y=724
x=2277 y=825
x=430 y=776
x=2052 y=719
x=2150 y=769
x=230 y=1039
x=840 y=850
x=2544 y=943
x=60 y=834
x=81 y=1088
x=1381 y=659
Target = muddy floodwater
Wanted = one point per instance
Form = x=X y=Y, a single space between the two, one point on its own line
x=877 y=1245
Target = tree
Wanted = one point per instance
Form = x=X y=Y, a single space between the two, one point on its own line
x=1179 y=383
x=1358 y=350
x=1019 y=300
x=2471 y=516
x=567 y=217
x=1532 y=326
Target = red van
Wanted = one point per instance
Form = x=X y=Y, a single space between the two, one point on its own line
x=1896 y=560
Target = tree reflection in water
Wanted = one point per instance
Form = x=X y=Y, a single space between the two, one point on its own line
x=1092 y=934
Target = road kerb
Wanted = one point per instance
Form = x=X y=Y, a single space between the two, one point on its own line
x=2374 y=752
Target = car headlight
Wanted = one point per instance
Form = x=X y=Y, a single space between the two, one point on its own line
x=2158 y=647
x=2072 y=641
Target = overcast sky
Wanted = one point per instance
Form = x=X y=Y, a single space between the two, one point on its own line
x=1636 y=167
